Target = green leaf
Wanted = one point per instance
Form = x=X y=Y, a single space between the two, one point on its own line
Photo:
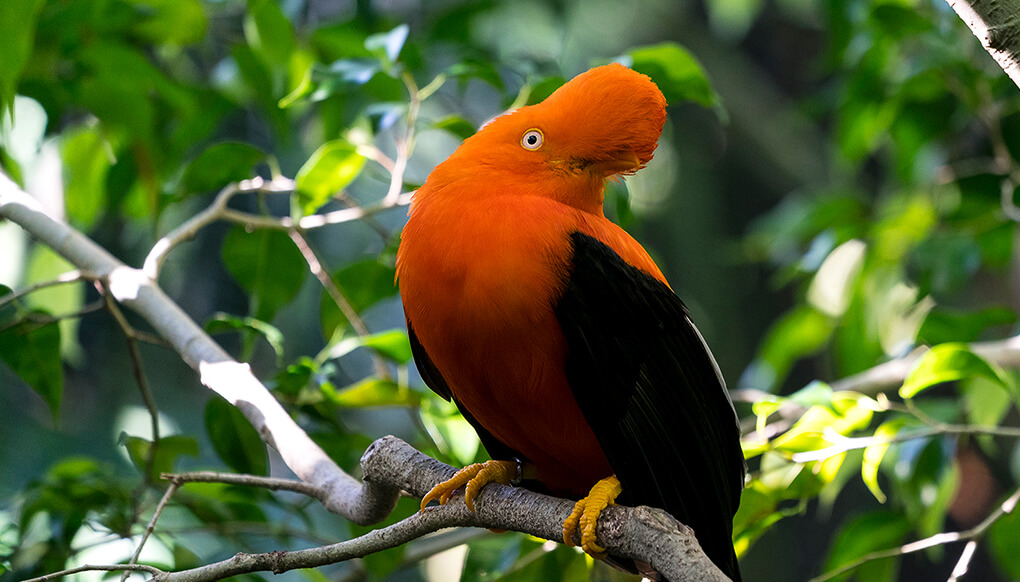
x=985 y=402
x=234 y=439
x=363 y=284
x=453 y=435
x=32 y=351
x=87 y=159
x=946 y=363
x=179 y=22
x=945 y=324
x=386 y=46
x=1004 y=542
x=456 y=125
x=17 y=36
x=392 y=344
x=800 y=332
x=269 y=32
x=373 y=392
x=678 y=74
x=45 y=265
x=477 y=69
x=218 y=165
x=168 y=450
x=876 y=530
x=873 y=455
x=330 y=169
x=267 y=265
x=223 y=322
x=544 y=88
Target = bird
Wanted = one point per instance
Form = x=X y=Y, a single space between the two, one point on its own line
x=553 y=330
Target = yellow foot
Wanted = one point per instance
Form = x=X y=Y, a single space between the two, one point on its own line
x=475 y=476
x=586 y=514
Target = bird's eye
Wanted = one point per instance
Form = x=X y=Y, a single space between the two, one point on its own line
x=532 y=139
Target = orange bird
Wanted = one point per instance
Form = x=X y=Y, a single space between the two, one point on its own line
x=553 y=330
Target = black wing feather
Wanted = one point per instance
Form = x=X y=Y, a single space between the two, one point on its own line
x=652 y=393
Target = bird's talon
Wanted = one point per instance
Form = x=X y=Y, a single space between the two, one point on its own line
x=586 y=514
x=474 y=477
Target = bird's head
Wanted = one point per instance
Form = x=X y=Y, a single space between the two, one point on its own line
x=601 y=124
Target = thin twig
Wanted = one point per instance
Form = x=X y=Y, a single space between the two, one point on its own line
x=846 y=444
x=212 y=213
x=100 y=568
x=404 y=144
x=63 y=279
x=337 y=295
x=152 y=523
x=45 y=319
x=131 y=335
x=973 y=533
x=271 y=483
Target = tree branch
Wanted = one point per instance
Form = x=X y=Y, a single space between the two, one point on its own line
x=389 y=465
x=891 y=374
x=970 y=535
x=996 y=23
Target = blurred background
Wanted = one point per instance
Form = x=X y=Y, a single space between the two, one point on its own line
x=832 y=189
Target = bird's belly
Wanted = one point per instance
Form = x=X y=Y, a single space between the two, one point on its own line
x=496 y=340
x=518 y=391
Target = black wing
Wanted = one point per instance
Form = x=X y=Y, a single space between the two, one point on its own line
x=652 y=393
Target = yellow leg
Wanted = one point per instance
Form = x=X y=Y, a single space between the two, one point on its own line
x=475 y=476
x=586 y=514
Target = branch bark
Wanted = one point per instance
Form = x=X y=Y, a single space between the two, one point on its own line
x=996 y=23
x=389 y=465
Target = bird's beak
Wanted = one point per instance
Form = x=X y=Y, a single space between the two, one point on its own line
x=624 y=162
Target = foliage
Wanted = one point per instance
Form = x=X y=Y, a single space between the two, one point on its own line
x=154 y=106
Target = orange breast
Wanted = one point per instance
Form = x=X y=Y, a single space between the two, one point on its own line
x=479 y=281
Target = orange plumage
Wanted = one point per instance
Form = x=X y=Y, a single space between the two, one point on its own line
x=488 y=269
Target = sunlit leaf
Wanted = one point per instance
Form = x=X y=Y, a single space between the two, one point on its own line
x=374 y=392
x=392 y=344
x=874 y=454
x=946 y=363
x=234 y=439
x=329 y=170
x=222 y=322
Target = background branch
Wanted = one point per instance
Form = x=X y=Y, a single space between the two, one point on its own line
x=996 y=23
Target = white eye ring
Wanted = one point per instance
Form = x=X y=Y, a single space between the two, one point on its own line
x=532 y=139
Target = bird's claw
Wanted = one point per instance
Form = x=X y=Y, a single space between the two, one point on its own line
x=475 y=477
x=586 y=514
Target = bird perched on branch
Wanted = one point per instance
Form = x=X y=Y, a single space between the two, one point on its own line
x=552 y=329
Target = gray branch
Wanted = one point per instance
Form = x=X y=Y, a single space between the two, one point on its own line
x=996 y=23
x=390 y=466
